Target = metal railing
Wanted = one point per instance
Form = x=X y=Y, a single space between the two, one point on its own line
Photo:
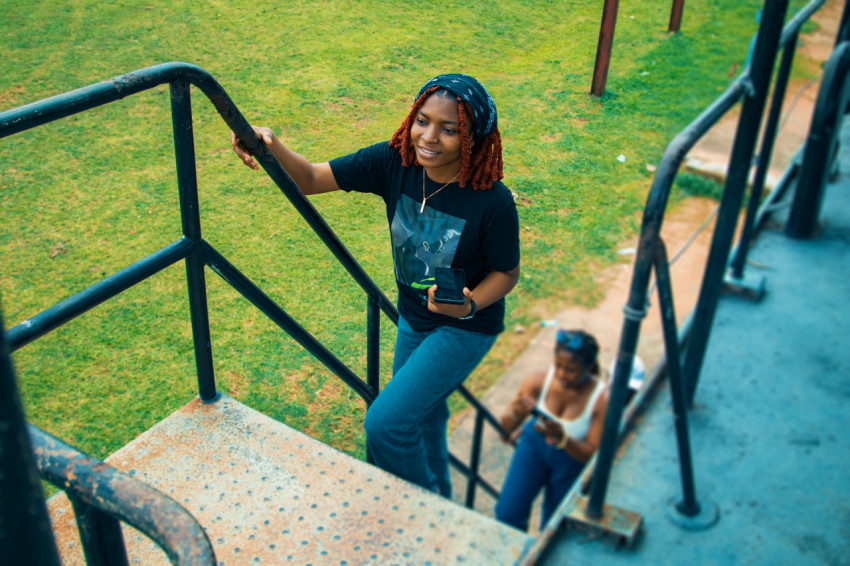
x=100 y=495
x=685 y=346
x=197 y=253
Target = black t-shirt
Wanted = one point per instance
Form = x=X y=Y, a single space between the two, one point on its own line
x=477 y=231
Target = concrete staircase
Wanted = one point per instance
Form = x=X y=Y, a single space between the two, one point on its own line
x=268 y=494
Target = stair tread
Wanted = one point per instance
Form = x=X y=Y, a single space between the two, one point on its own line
x=267 y=494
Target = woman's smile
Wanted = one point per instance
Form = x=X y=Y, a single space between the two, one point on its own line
x=435 y=137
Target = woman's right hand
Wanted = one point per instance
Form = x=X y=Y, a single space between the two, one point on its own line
x=265 y=134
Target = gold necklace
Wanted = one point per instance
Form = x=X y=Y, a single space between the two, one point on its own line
x=424 y=198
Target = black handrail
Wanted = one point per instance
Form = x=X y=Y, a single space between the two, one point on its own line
x=70 y=308
x=651 y=254
x=198 y=253
x=25 y=530
x=788 y=44
x=753 y=85
x=821 y=144
x=101 y=495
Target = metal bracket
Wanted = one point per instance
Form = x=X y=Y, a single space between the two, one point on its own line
x=749 y=87
x=751 y=287
x=620 y=524
x=634 y=314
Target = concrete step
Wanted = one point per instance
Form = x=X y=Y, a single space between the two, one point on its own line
x=268 y=494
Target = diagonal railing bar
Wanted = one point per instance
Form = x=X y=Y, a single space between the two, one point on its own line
x=689 y=505
x=250 y=291
x=468 y=472
x=75 y=305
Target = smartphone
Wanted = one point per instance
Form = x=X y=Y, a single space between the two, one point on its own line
x=450 y=283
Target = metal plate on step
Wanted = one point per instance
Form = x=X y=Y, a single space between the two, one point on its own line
x=268 y=494
x=621 y=524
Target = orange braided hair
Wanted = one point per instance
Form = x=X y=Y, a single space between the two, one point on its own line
x=481 y=166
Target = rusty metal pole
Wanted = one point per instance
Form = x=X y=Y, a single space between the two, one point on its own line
x=603 y=49
x=676 y=16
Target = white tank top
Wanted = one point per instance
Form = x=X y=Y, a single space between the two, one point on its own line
x=580 y=426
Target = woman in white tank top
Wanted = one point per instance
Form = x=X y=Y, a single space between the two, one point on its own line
x=569 y=400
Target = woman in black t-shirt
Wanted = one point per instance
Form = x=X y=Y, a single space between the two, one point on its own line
x=440 y=179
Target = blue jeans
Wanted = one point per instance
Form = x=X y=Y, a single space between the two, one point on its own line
x=406 y=425
x=536 y=464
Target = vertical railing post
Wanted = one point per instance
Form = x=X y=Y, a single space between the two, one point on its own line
x=603 y=48
x=736 y=181
x=676 y=16
x=26 y=535
x=474 y=459
x=765 y=153
x=688 y=506
x=634 y=311
x=100 y=534
x=844 y=26
x=821 y=145
x=373 y=351
x=184 y=149
x=373 y=343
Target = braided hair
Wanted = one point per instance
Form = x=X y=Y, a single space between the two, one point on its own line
x=481 y=157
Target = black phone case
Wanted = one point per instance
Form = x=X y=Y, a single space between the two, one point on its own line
x=450 y=283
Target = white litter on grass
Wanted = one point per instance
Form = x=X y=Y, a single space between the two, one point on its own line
x=621 y=158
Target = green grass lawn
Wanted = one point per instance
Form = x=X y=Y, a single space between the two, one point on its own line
x=87 y=196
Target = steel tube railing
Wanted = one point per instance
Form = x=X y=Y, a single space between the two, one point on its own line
x=475 y=459
x=26 y=535
x=373 y=342
x=821 y=144
x=243 y=285
x=736 y=181
x=788 y=44
x=739 y=258
x=635 y=308
x=95 y=484
x=467 y=472
x=192 y=247
x=689 y=505
x=190 y=217
x=100 y=535
x=756 y=86
x=60 y=313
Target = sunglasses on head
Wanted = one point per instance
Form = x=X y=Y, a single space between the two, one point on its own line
x=569 y=340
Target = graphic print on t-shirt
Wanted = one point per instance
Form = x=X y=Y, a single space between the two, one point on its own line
x=422 y=242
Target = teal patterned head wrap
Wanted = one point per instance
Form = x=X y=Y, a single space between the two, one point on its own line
x=474 y=94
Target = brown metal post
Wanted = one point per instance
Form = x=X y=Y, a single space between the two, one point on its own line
x=676 y=16
x=603 y=49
